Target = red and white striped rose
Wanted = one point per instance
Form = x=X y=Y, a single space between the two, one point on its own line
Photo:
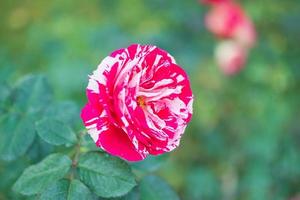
x=139 y=103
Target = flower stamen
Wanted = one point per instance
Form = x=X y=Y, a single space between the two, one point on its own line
x=141 y=101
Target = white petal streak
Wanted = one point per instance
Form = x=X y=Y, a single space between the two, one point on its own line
x=190 y=106
x=94 y=133
x=161 y=123
x=162 y=83
x=176 y=106
x=179 y=78
x=172 y=59
x=91 y=120
x=158 y=94
x=104 y=66
x=157 y=59
x=150 y=120
x=93 y=86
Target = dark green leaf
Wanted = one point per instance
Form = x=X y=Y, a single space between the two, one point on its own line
x=55 y=132
x=37 y=177
x=153 y=187
x=32 y=94
x=88 y=144
x=132 y=195
x=66 y=111
x=17 y=133
x=4 y=94
x=67 y=190
x=39 y=149
x=106 y=175
x=9 y=172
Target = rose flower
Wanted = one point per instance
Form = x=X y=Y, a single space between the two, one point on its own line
x=139 y=103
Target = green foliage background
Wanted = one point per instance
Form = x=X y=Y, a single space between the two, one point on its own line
x=244 y=139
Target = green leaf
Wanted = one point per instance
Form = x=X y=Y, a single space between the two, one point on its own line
x=32 y=94
x=5 y=71
x=10 y=171
x=17 y=133
x=67 y=190
x=132 y=195
x=39 y=150
x=153 y=187
x=150 y=164
x=66 y=111
x=88 y=144
x=106 y=175
x=27 y=101
x=55 y=132
x=37 y=177
x=5 y=91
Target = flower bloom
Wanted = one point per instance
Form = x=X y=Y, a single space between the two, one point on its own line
x=227 y=20
x=139 y=103
x=230 y=56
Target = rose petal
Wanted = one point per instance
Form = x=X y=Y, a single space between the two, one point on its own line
x=116 y=142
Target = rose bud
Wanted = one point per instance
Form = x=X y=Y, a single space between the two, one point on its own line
x=230 y=56
x=214 y=2
x=228 y=20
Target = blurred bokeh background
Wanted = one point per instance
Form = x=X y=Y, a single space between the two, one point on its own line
x=244 y=139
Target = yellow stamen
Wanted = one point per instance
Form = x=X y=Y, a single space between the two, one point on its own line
x=141 y=101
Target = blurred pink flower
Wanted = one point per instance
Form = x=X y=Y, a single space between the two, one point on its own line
x=227 y=20
x=139 y=103
x=230 y=56
x=213 y=2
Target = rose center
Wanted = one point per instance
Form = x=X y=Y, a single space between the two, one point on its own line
x=141 y=101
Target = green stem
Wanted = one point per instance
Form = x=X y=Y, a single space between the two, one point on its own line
x=76 y=154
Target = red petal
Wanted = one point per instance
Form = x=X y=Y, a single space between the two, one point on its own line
x=116 y=142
